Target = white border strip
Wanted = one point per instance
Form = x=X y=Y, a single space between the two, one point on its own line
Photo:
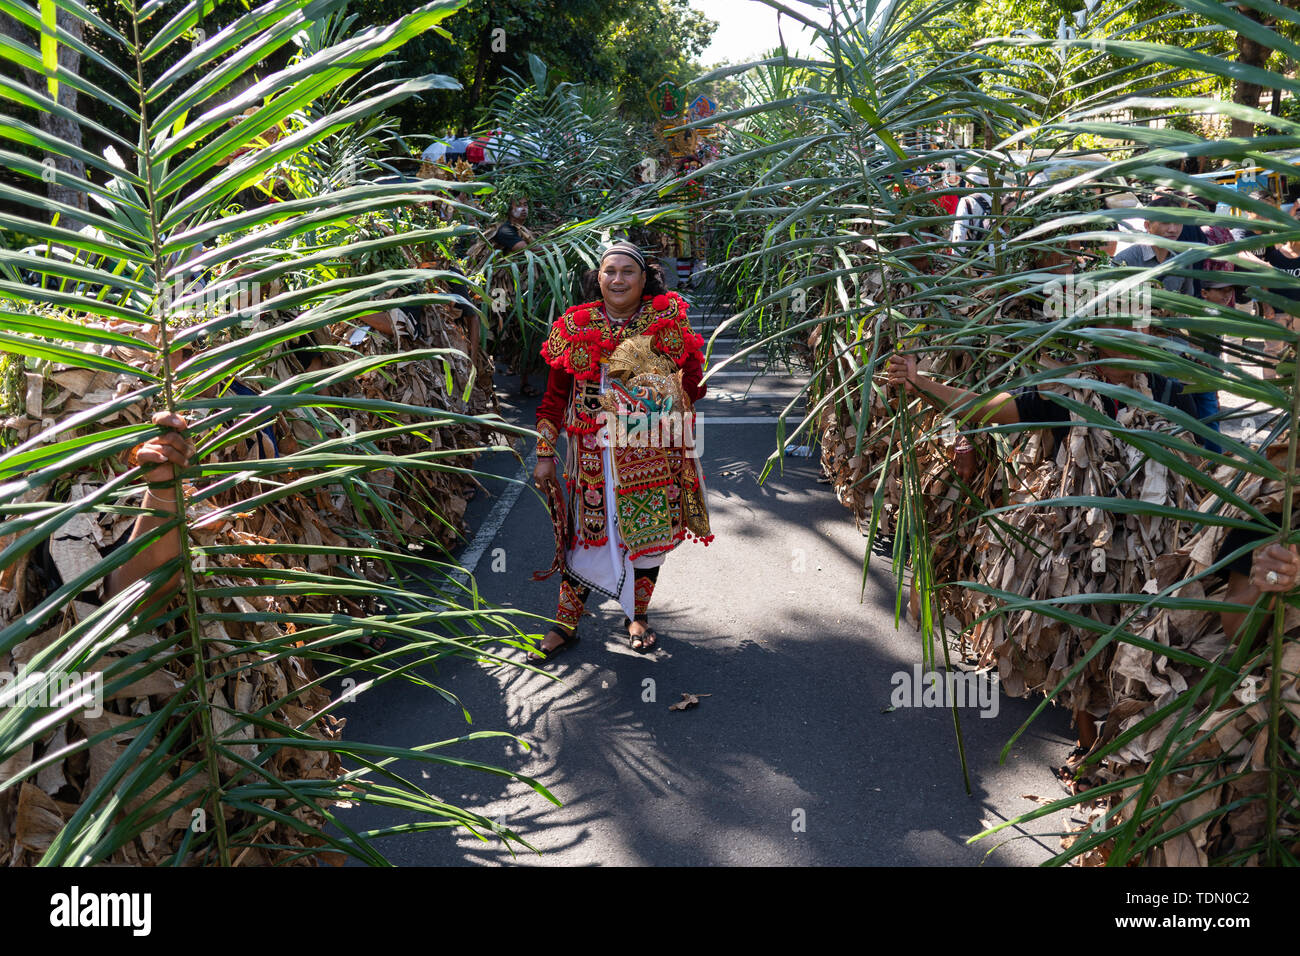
x=496 y=518
x=498 y=515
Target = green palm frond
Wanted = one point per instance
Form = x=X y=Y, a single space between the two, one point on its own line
x=822 y=233
x=286 y=559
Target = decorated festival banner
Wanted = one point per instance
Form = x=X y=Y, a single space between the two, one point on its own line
x=701 y=109
x=668 y=98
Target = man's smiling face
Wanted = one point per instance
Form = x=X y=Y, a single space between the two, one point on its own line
x=621 y=282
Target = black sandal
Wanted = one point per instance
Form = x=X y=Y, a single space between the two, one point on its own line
x=543 y=656
x=1067 y=773
x=648 y=639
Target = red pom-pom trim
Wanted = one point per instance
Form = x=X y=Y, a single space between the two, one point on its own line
x=579 y=326
x=660 y=323
x=680 y=535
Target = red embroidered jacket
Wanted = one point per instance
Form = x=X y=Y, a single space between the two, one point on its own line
x=581 y=337
x=673 y=505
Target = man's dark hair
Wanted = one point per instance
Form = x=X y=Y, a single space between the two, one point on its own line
x=1165 y=201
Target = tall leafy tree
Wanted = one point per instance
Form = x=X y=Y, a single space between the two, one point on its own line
x=648 y=41
x=622 y=45
x=973 y=24
x=1256 y=30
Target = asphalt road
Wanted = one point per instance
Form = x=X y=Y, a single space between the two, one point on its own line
x=796 y=757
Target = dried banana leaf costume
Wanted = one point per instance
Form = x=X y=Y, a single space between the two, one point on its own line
x=1235 y=748
x=514 y=333
x=1048 y=552
x=630 y=502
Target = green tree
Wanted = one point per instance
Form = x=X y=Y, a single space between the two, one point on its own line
x=620 y=45
x=973 y=24
x=651 y=40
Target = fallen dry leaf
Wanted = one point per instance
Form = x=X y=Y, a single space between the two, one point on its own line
x=688 y=701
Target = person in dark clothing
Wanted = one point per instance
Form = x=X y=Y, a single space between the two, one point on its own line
x=507 y=238
x=1284 y=257
x=1148 y=255
x=1028 y=404
x=513 y=236
x=1223 y=295
x=1258 y=195
x=1145 y=254
x=1032 y=406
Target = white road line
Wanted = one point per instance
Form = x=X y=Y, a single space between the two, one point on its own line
x=760 y=391
x=496 y=518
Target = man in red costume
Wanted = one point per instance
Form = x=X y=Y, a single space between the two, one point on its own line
x=628 y=503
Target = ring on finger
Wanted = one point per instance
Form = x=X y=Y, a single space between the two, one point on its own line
x=1271 y=577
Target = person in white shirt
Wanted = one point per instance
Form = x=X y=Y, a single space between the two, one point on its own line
x=972 y=219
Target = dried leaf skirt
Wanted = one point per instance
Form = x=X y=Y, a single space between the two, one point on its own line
x=1072 y=557
x=1215 y=744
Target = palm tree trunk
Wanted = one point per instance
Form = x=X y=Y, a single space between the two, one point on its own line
x=65 y=129
x=480 y=71
x=1254 y=54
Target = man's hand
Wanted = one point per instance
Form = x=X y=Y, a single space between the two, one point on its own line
x=160 y=457
x=902 y=371
x=544 y=474
x=1275 y=568
x=169 y=451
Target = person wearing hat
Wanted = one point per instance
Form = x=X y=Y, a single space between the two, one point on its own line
x=622 y=507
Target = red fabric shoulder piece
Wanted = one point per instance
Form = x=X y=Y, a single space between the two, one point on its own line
x=672 y=330
x=574 y=345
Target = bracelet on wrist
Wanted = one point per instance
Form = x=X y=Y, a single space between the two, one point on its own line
x=547 y=435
